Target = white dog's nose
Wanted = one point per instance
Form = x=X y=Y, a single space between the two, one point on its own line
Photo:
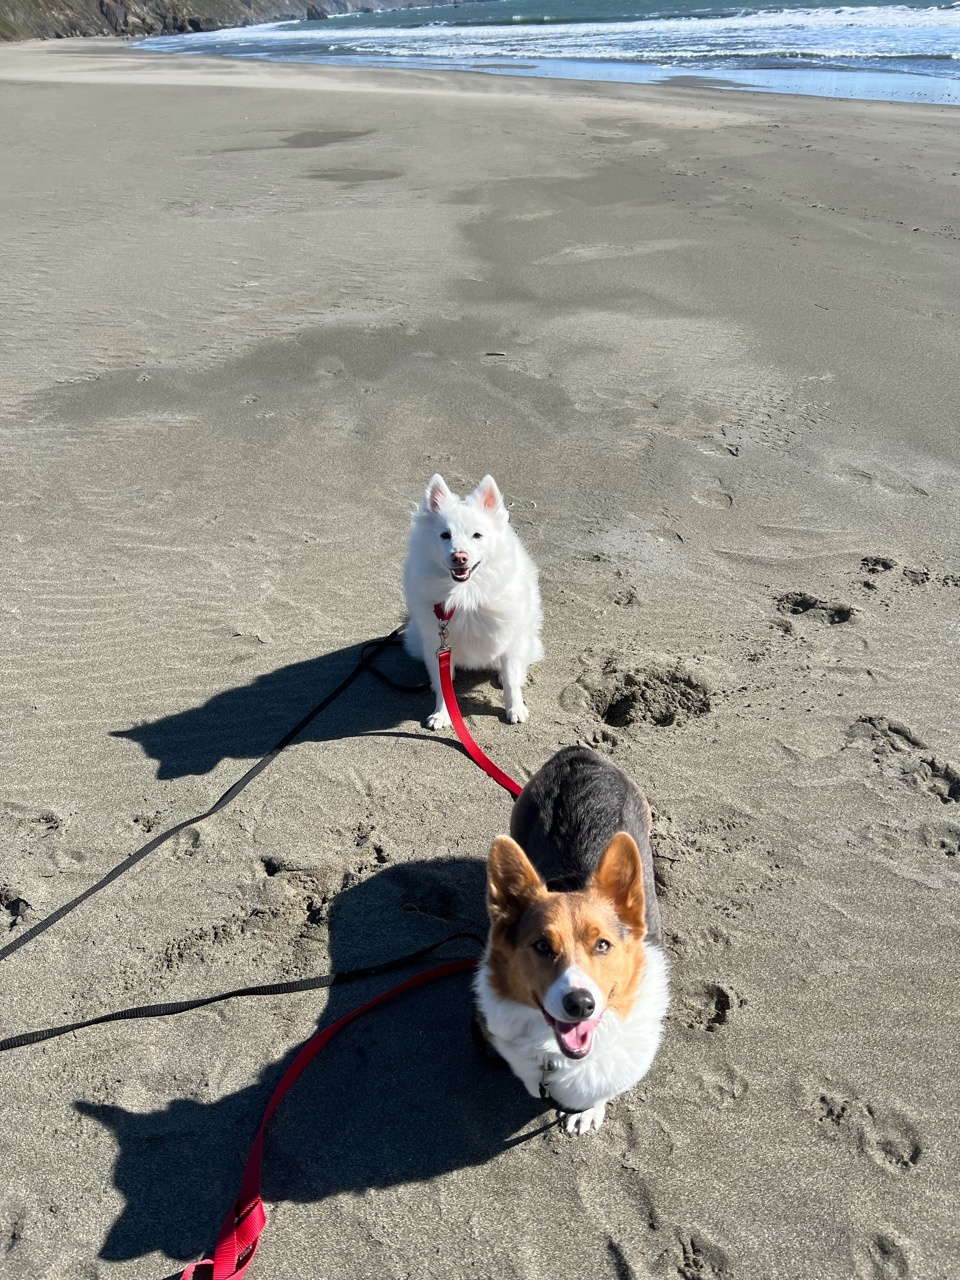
x=459 y=558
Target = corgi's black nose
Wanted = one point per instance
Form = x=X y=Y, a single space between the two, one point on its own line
x=459 y=557
x=579 y=1003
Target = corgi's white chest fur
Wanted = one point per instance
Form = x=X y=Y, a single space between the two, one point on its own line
x=623 y=1048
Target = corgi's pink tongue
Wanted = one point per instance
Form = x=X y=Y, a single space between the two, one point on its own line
x=576 y=1037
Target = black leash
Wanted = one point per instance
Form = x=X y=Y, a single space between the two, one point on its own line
x=370 y=650
x=271 y=989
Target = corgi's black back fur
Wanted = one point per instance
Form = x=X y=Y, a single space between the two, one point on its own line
x=569 y=812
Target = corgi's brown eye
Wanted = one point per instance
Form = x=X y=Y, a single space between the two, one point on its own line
x=542 y=947
x=601 y=948
x=445 y=535
x=478 y=535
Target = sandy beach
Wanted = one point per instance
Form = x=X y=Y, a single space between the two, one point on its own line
x=708 y=345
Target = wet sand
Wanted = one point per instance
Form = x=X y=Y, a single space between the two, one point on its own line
x=707 y=344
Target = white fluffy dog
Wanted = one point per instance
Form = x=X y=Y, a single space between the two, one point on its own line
x=463 y=555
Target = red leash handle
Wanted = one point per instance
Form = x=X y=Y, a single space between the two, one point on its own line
x=240 y=1234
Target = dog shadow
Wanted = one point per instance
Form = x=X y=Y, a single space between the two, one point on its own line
x=245 y=722
x=399 y=1096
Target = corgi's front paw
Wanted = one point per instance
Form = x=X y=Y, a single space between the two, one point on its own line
x=517 y=713
x=439 y=720
x=578 y=1123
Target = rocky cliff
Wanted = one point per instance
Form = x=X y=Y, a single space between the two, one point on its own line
x=53 y=19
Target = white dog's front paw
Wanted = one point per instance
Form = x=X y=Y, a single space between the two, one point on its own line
x=439 y=720
x=517 y=713
x=578 y=1123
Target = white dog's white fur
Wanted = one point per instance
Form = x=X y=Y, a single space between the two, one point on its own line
x=463 y=554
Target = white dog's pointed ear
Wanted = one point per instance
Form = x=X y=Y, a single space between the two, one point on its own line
x=487 y=495
x=437 y=495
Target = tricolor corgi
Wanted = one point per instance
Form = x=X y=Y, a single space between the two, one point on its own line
x=572 y=989
x=463 y=556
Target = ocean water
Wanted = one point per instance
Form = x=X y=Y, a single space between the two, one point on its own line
x=898 y=52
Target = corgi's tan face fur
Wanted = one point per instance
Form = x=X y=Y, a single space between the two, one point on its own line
x=572 y=955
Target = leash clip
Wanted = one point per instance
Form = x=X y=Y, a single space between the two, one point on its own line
x=550 y=1065
x=443 y=617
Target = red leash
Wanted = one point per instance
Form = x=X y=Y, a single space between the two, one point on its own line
x=476 y=754
x=243 y=1225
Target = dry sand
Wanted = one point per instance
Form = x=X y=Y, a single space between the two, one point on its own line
x=708 y=346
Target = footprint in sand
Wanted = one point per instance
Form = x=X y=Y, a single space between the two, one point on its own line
x=900 y=753
x=711 y=493
x=887 y=1137
x=709 y=1006
x=942 y=837
x=13 y=906
x=874 y=567
x=937 y=778
x=698 y=1258
x=33 y=839
x=883 y=481
x=663 y=694
x=882 y=1259
x=28 y=824
x=802 y=603
x=146 y=820
x=724 y=1086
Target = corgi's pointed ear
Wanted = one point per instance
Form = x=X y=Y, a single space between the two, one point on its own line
x=619 y=877
x=512 y=881
x=488 y=496
x=437 y=495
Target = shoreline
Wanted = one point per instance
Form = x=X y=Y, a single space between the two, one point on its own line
x=212 y=70
x=840 y=84
x=706 y=344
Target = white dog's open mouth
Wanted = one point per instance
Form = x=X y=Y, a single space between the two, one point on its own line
x=461 y=575
x=574 y=1038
